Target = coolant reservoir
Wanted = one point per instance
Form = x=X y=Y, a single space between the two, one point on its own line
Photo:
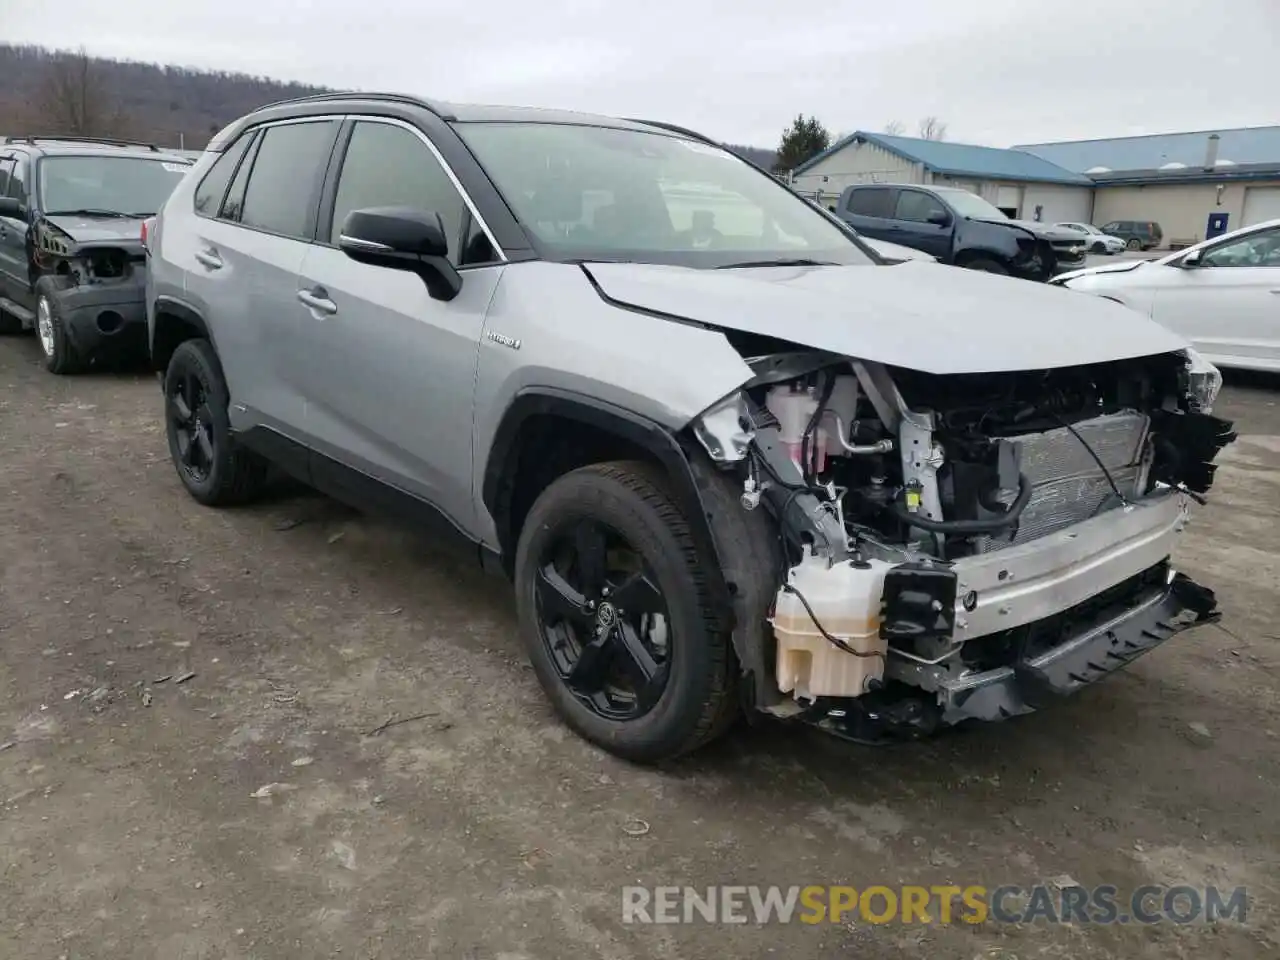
x=793 y=408
x=846 y=601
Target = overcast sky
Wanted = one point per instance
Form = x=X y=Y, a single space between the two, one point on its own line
x=996 y=71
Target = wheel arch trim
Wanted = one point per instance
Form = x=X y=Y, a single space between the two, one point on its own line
x=662 y=443
x=184 y=312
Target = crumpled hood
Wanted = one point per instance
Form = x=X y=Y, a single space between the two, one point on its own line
x=1044 y=230
x=119 y=231
x=914 y=314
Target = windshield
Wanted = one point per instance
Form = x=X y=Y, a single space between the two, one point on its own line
x=106 y=185
x=971 y=205
x=597 y=193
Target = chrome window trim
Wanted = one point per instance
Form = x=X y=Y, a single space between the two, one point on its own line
x=444 y=165
x=371 y=245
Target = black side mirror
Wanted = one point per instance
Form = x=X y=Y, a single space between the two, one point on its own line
x=939 y=218
x=402 y=238
x=12 y=209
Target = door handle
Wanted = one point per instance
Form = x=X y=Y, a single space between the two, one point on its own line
x=209 y=258
x=318 y=299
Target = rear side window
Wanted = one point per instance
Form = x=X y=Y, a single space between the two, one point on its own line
x=284 y=182
x=18 y=179
x=870 y=202
x=213 y=187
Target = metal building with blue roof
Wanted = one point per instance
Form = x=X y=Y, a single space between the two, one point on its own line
x=1175 y=179
x=1020 y=183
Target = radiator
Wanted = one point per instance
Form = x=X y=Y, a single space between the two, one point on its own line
x=1067 y=484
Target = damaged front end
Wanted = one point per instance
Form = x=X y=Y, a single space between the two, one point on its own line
x=99 y=284
x=961 y=546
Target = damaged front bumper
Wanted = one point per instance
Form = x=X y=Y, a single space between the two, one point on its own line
x=1099 y=646
x=108 y=314
x=1058 y=613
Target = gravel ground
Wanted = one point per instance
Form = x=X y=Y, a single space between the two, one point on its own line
x=254 y=809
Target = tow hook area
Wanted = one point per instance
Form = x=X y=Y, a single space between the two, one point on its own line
x=919 y=601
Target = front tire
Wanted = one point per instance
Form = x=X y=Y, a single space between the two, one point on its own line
x=1133 y=244
x=616 y=614
x=1098 y=248
x=215 y=470
x=60 y=356
x=987 y=265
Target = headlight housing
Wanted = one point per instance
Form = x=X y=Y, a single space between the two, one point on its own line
x=1204 y=381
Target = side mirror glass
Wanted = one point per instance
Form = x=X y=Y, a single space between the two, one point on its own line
x=939 y=218
x=402 y=238
x=12 y=209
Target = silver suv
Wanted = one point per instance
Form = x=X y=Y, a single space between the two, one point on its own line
x=728 y=456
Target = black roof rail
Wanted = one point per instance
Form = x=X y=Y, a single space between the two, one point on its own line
x=675 y=128
x=435 y=106
x=108 y=141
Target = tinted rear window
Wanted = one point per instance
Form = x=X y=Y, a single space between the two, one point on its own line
x=282 y=185
x=870 y=202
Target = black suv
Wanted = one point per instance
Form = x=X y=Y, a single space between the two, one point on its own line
x=72 y=259
x=960 y=228
x=1136 y=234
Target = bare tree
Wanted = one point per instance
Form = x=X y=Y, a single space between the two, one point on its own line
x=895 y=128
x=931 y=128
x=73 y=98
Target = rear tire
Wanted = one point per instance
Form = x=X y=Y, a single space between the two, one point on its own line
x=60 y=356
x=638 y=518
x=987 y=265
x=215 y=470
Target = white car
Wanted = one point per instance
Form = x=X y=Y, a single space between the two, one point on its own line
x=1097 y=241
x=1222 y=294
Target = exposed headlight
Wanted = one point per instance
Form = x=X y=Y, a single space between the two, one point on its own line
x=1204 y=381
x=723 y=429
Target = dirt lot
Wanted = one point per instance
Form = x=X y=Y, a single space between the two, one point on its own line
x=130 y=828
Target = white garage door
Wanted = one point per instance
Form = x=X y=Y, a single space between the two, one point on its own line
x=1009 y=197
x=1261 y=203
x=1057 y=203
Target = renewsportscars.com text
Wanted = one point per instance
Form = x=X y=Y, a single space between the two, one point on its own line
x=939 y=904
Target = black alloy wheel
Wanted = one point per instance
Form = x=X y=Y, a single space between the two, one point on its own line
x=191 y=426
x=614 y=600
x=215 y=470
x=603 y=620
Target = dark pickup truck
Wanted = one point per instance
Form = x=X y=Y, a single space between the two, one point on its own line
x=960 y=228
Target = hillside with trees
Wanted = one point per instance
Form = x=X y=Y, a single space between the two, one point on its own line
x=58 y=92
x=48 y=92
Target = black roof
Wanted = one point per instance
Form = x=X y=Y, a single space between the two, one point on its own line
x=480 y=113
